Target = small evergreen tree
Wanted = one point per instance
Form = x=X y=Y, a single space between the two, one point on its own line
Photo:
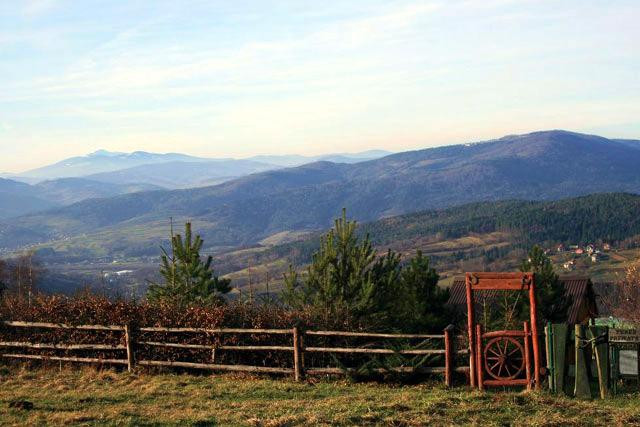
x=346 y=278
x=187 y=278
x=553 y=302
x=339 y=279
x=425 y=301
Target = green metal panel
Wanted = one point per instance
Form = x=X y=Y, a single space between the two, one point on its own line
x=582 y=388
x=560 y=335
x=615 y=368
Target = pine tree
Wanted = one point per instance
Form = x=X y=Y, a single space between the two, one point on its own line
x=339 y=279
x=553 y=302
x=347 y=280
x=426 y=301
x=187 y=278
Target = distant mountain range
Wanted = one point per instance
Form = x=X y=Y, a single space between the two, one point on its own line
x=103 y=161
x=131 y=166
x=537 y=166
x=106 y=174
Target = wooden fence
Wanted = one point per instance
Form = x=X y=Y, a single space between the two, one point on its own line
x=297 y=348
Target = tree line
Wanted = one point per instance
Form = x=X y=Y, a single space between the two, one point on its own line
x=348 y=279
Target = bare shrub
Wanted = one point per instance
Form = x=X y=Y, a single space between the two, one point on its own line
x=623 y=298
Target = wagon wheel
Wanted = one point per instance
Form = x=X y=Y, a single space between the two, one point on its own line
x=503 y=358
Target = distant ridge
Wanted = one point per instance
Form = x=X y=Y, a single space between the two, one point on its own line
x=102 y=161
x=544 y=165
x=141 y=167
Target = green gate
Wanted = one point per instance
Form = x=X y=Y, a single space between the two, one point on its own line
x=578 y=360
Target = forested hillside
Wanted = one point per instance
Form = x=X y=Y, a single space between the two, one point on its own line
x=607 y=217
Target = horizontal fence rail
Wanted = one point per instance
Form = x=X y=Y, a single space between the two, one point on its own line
x=64 y=326
x=371 y=335
x=24 y=344
x=68 y=359
x=219 y=331
x=131 y=338
x=356 y=350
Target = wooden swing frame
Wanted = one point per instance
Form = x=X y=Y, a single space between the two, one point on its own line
x=504 y=282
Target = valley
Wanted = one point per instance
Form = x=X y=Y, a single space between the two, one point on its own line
x=473 y=237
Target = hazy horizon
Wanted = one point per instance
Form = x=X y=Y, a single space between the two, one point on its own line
x=93 y=153
x=220 y=79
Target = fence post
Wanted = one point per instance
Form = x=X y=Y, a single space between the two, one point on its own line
x=130 y=343
x=298 y=368
x=449 y=360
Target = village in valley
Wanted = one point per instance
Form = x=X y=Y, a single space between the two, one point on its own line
x=577 y=254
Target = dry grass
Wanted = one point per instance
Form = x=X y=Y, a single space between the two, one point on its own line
x=90 y=397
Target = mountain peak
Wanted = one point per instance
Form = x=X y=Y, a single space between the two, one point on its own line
x=104 y=153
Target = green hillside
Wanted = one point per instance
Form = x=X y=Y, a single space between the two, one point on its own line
x=474 y=237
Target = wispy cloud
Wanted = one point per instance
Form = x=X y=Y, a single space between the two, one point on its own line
x=124 y=63
x=38 y=7
x=296 y=76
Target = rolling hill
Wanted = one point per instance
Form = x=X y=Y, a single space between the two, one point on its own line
x=18 y=198
x=537 y=166
x=298 y=160
x=66 y=191
x=183 y=174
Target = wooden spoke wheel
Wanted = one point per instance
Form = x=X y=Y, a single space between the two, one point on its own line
x=504 y=358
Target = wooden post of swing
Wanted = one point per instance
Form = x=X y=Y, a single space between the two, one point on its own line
x=448 y=356
x=470 y=327
x=298 y=369
x=479 y=369
x=534 y=332
x=130 y=343
x=527 y=356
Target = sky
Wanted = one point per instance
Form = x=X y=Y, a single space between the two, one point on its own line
x=239 y=78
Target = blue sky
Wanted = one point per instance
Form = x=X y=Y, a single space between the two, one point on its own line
x=238 y=78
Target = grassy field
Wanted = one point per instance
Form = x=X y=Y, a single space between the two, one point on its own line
x=90 y=397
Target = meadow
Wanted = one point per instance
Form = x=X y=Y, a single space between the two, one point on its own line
x=88 y=396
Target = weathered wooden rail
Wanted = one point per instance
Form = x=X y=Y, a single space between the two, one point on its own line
x=298 y=349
